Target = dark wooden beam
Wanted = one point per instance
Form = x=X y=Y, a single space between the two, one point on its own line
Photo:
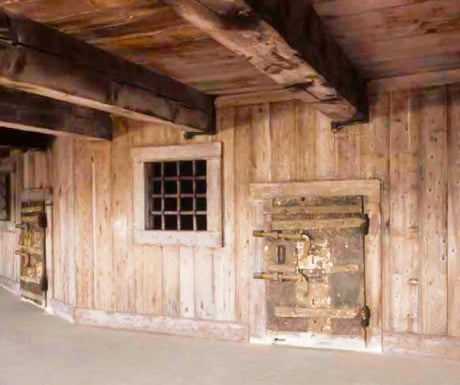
x=28 y=112
x=41 y=60
x=23 y=139
x=286 y=40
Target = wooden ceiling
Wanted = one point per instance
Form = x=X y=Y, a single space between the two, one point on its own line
x=383 y=38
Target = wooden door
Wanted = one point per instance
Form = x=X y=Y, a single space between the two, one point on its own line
x=32 y=251
x=314 y=266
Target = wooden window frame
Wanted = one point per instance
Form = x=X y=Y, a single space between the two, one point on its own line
x=7 y=168
x=212 y=153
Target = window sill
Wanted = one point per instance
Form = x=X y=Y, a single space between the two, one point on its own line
x=178 y=238
x=7 y=226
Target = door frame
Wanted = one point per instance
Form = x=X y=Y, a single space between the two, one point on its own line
x=260 y=196
x=44 y=195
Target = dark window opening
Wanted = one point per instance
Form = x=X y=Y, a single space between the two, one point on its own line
x=176 y=195
x=5 y=183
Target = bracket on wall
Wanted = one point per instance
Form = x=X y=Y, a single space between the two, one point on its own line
x=357 y=119
x=191 y=134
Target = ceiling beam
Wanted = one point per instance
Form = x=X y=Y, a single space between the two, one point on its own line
x=24 y=140
x=41 y=60
x=22 y=111
x=287 y=41
x=415 y=81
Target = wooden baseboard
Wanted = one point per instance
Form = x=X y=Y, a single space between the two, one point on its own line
x=10 y=285
x=434 y=346
x=162 y=325
x=61 y=309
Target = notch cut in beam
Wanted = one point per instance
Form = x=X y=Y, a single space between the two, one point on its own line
x=286 y=40
x=24 y=140
x=44 y=61
x=22 y=111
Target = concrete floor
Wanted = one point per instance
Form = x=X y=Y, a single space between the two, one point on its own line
x=36 y=348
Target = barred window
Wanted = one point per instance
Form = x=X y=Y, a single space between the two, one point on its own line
x=176 y=195
x=5 y=197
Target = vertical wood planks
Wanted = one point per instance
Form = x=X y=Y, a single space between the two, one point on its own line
x=171 y=280
x=204 y=290
x=122 y=219
x=325 y=148
x=404 y=178
x=453 y=305
x=84 y=237
x=243 y=172
x=224 y=258
x=187 y=282
x=262 y=143
x=374 y=163
x=433 y=212
x=283 y=134
x=262 y=153
x=305 y=142
x=347 y=153
x=103 y=254
x=64 y=220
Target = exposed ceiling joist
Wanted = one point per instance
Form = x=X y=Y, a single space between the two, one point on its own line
x=24 y=140
x=286 y=40
x=41 y=60
x=22 y=111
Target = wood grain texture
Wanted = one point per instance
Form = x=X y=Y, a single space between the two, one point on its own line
x=224 y=258
x=412 y=135
x=45 y=61
x=287 y=42
x=84 y=217
x=433 y=212
x=453 y=134
x=64 y=225
x=152 y=34
x=20 y=110
x=378 y=34
x=404 y=206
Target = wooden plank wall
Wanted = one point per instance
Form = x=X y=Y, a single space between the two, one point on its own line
x=31 y=170
x=112 y=272
x=412 y=144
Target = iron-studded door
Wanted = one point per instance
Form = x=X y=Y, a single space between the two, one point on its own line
x=314 y=265
x=32 y=251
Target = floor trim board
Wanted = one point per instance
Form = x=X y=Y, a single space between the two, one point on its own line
x=416 y=344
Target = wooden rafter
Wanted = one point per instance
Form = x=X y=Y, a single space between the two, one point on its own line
x=41 y=60
x=286 y=40
x=23 y=140
x=27 y=112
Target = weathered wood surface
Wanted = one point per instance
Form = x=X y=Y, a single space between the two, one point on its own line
x=28 y=112
x=151 y=33
x=433 y=211
x=404 y=224
x=64 y=221
x=30 y=170
x=417 y=81
x=44 y=61
x=395 y=37
x=453 y=204
x=259 y=145
x=408 y=343
x=287 y=42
